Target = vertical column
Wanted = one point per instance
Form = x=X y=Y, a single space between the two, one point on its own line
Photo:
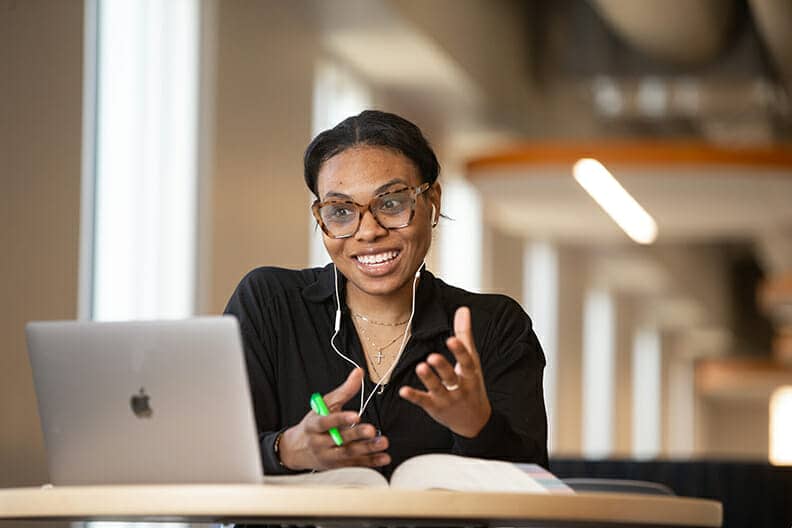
x=540 y=298
x=681 y=402
x=668 y=340
x=687 y=412
x=623 y=375
x=646 y=379
x=599 y=327
x=461 y=240
x=568 y=418
x=505 y=266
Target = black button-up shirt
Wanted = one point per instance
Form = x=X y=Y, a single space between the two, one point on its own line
x=287 y=317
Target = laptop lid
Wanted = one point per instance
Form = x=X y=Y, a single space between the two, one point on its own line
x=144 y=402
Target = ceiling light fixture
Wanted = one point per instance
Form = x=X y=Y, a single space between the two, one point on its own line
x=615 y=200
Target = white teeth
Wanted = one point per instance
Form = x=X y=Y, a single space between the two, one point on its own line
x=378 y=258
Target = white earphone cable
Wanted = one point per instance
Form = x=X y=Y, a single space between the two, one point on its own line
x=337 y=328
x=365 y=401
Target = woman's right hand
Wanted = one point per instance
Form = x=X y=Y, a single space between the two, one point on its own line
x=308 y=444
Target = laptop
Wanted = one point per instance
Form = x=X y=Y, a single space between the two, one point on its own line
x=144 y=402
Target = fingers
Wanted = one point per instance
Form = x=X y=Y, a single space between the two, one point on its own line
x=419 y=398
x=361 y=447
x=445 y=374
x=455 y=396
x=466 y=361
x=462 y=344
x=320 y=438
x=428 y=378
x=373 y=460
x=362 y=432
x=463 y=347
x=462 y=326
x=336 y=398
x=321 y=424
x=463 y=332
x=436 y=379
x=437 y=383
x=370 y=453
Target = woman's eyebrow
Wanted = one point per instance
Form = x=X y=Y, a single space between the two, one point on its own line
x=385 y=186
x=378 y=190
x=333 y=194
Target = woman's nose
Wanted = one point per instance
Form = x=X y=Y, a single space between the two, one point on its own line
x=369 y=228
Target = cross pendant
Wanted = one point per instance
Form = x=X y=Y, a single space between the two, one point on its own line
x=378 y=357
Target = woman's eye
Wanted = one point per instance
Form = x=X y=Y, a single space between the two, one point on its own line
x=392 y=204
x=341 y=212
x=338 y=213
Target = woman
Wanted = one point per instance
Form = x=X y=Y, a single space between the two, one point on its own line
x=408 y=364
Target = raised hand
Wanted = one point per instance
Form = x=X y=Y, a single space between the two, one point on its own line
x=308 y=445
x=455 y=396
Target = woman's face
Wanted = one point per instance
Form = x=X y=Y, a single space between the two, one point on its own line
x=375 y=260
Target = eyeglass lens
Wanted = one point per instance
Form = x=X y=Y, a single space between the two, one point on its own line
x=392 y=210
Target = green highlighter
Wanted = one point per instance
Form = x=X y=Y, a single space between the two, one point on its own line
x=320 y=407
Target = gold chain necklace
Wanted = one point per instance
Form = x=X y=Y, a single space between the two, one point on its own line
x=380 y=323
x=380 y=378
x=378 y=348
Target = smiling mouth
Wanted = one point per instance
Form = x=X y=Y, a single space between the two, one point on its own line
x=377 y=258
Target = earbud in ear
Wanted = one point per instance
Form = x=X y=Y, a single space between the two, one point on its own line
x=434 y=218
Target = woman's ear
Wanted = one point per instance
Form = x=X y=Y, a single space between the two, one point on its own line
x=435 y=195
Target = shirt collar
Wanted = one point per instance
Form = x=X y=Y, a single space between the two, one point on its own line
x=324 y=286
x=430 y=317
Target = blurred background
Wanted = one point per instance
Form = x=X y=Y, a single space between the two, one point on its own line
x=151 y=154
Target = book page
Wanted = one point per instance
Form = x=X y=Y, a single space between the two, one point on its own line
x=451 y=472
x=350 y=477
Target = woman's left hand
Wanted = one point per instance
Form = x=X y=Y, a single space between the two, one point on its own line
x=456 y=396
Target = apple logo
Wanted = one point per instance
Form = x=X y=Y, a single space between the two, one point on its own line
x=140 y=404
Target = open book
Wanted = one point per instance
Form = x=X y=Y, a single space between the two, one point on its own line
x=436 y=471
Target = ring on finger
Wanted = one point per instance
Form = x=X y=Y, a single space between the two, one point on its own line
x=450 y=387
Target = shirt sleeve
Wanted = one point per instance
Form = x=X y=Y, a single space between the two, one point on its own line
x=252 y=305
x=512 y=361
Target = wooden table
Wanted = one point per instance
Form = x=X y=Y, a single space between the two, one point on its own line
x=350 y=506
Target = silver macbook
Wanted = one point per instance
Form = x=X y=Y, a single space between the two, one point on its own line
x=144 y=402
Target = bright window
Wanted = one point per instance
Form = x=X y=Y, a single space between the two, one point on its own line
x=140 y=168
x=145 y=159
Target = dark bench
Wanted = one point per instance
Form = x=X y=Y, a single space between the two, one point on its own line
x=753 y=494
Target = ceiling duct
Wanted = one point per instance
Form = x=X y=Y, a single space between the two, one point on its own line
x=741 y=111
x=681 y=32
x=774 y=19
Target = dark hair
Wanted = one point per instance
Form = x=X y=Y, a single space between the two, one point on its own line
x=371 y=127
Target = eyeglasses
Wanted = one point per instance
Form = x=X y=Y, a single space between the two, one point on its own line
x=392 y=210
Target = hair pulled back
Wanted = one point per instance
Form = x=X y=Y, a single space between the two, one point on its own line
x=371 y=128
